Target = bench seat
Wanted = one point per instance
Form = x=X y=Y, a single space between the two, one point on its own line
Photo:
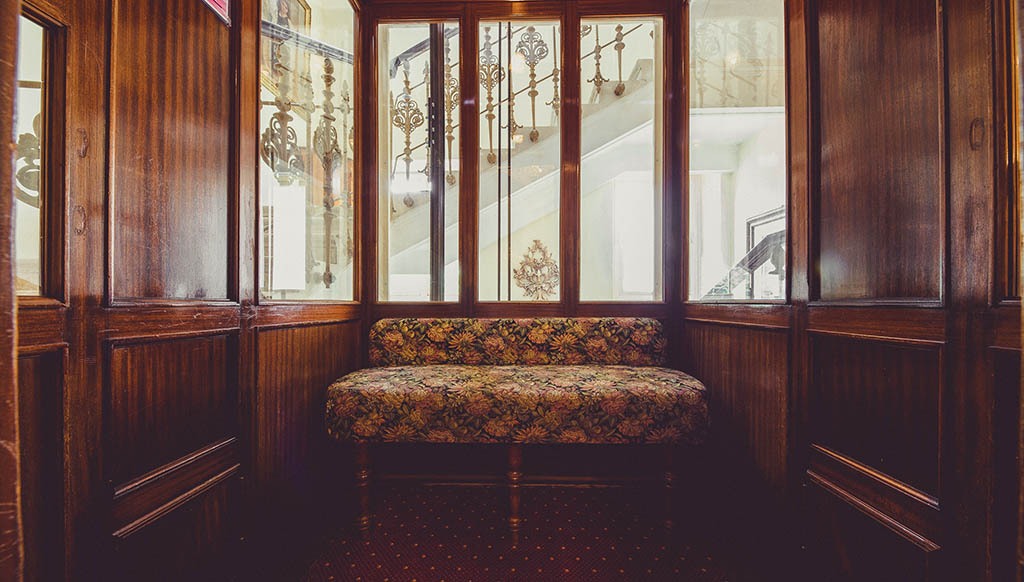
x=595 y=404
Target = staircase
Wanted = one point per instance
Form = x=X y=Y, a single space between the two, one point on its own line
x=609 y=119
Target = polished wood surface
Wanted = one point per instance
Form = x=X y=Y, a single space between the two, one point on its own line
x=167 y=398
x=746 y=371
x=879 y=205
x=40 y=378
x=11 y=565
x=892 y=388
x=170 y=132
x=866 y=413
x=294 y=367
x=157 y=406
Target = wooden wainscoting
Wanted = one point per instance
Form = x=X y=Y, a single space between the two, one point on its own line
x=153 y=382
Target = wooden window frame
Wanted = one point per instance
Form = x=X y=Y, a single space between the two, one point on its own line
x=52 y=192
x=569 y=14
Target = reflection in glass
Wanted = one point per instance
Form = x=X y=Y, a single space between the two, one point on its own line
x=520 y=158
x=737 y=183
x=621 y=86
x=306 y=172
x=418 y=208
x=29 y=182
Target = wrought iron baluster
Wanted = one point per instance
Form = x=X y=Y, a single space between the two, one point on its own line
x=325 y=145
x=533 y=49
x=451 y=101
x=491 y=73
x=512 y=125
x=598 y=79
x=426 y=83
x=555 y=102
x=619 y=45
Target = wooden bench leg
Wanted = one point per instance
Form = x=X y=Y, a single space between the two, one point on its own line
x=363 y=487
x=515 y=463
x=669 y=487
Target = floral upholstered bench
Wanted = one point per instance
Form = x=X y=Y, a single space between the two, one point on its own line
x=516 y=382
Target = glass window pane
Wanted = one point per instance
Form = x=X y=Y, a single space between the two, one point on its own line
x=29 y=182
x=737 y=184
x=418 y=208
x=520 y=158
x=306 y=175
x=621 y=88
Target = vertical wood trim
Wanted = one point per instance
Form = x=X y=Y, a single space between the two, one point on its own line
x=967 y=454
x=246 y=46
x=676 y=229
x=359 y=105
x=366 y=72
x=11 y=543
x=469 y=167
x=1006 y=283
x=799 y=144
x=571 y=111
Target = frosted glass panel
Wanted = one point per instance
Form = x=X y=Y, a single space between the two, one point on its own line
x=621 y=170
x=737 y=151
x=418 y=151
x=306 y=170
x=520 y=158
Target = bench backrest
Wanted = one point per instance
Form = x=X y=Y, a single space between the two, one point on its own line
x=632 y=341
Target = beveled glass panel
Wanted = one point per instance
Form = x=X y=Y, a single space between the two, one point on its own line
x=306 y=171
x=418 y=157
x=737 y=182
x=520 y=160
x=31 y=154
x=621 y=159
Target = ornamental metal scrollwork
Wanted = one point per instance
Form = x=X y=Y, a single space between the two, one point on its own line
x=491 y=73
x=406 y=116
x=533 y=49
x=537 y=274
x=279 y=147
x=29 y=150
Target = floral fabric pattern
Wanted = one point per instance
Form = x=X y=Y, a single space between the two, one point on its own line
x=632 y=341
x=595 y=404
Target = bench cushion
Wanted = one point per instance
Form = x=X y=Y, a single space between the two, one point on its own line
x=521 y=404
x=633 y=341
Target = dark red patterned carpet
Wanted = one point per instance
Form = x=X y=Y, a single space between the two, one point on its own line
x=432 y=533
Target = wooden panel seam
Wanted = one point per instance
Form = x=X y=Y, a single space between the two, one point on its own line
x=151 y=517
x=874 y=474
x=866 y=337
x=892 y=524
x=160 y=472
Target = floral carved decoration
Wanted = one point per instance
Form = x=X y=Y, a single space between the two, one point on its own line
x=537 y=274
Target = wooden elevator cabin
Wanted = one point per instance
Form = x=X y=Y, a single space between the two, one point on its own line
x=169 y=363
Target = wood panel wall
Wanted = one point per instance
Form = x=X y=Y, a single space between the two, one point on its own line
x=162 y=401
x=183 y=400
x=11 y=542
x=900 y=345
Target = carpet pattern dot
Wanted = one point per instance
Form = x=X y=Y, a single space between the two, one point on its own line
x=444 y=533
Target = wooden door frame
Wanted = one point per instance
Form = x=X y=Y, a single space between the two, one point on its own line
x=10 y=498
